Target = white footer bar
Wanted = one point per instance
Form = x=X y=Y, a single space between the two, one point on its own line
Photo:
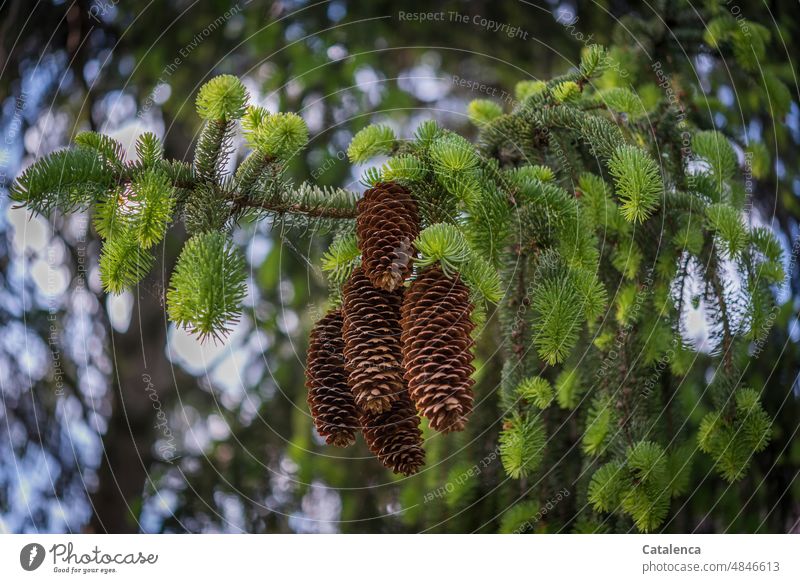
x=400 y=558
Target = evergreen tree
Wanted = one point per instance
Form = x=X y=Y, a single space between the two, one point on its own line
x=576 y=223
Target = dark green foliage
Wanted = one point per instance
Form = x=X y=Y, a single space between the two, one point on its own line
x=149 y=149
x=732 y=438
x=108 y=150
x=519 y=518
x=213 y=149
x=65 y=180
x=639 y=486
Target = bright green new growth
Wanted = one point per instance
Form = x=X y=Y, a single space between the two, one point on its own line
x=222 y=98
x=65 y=180
x=525 y=89
x=598 y=426
x=371 y=141
x=208 y=286
x=152 y=200
x=525 y=174
x=522 y=443
x=727 y=223
x=277 y=135
x=638 y=182
x=563 y=298
x=536 y=390
x=446 y=245
x=481 y=111
x=403 y=168
x=341 y=258
x=594 y=61
x=566 y=92
x=135 y=202
x=624 y=101
x=453 y=155
x=568 y=388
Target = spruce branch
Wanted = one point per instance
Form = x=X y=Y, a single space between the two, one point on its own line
x=153 y=202
x=594 y=61
x=341 y=258
x=66 y=180
x=426 y=133
x=275 y=135
x=727 y=223
x=638 y=182
x=110 y=151
x=536 y=390
x=522 y=442
x=732 y=441
x=307 y=199
x=482 y=111
x=371 y=141
x=446 y=245
x=123 y=262
x=208 y=286
x=149 y=149
x=222 y=98
x=213 y=150
x=405 y=169
x=714 y=150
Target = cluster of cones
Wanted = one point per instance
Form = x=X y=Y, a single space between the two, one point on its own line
x=391 y=351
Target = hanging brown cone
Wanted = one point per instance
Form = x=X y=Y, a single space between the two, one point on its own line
x=387 y=224
x=372 y=353
x=437 y=348
x=394 y=436
x=329 y=398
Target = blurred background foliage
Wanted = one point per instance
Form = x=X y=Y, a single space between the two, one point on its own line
x=113 y=421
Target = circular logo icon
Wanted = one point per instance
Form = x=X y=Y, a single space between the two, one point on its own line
x=31 y=556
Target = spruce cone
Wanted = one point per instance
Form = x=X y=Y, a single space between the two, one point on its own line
x=329 y=398
x=373 y=358
x=395 y=437
x=437 y=348
x=386 y=227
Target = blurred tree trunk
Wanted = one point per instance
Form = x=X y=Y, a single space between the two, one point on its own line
x=143 y=381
